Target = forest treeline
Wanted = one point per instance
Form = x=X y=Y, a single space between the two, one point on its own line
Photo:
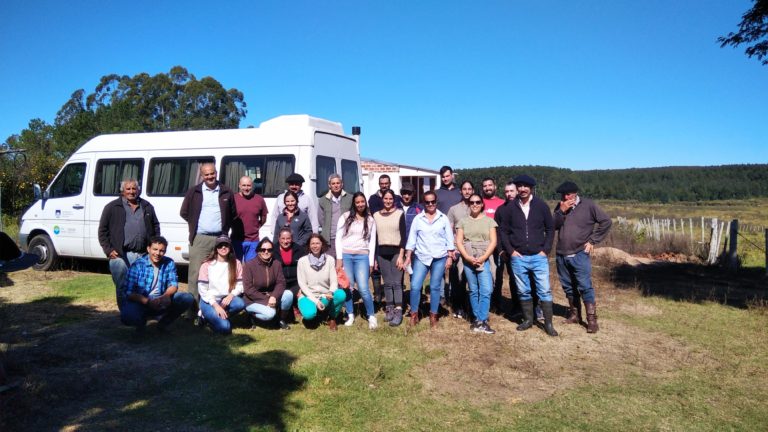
x=664 y=184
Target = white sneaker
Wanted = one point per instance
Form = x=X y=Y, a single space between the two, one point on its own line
x=350 y=320
x=372 y=323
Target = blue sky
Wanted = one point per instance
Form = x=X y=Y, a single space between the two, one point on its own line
x=574 y=84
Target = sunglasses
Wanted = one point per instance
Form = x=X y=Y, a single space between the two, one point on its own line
x=475 y=202
x=223 y=245
x=265 y=250
x=433 y=202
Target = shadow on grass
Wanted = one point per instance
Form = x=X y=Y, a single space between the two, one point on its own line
x=79 y=368
x=695 y=283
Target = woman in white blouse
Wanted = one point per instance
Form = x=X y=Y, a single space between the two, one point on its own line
x=220 y=284
x=355 y=247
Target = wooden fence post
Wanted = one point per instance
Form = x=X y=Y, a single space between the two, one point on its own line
x=733 y=234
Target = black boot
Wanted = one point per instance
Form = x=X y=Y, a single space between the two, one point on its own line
x=285 y=318
x=546 y=308
x=527 y=323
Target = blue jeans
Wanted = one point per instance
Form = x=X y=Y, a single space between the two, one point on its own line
x=135 y=314
x=358 y=269
x=244 y=250
x=480 y=285
x=218 y=324
x=119 y=268
x=265 y=313
x=537 y=266
x=436 y=270
x=308 y=308
x=575 y=271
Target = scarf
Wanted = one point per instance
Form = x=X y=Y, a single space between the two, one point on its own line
x=316 y=263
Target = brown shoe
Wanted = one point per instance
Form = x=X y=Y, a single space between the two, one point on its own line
x=574 y=311
x=433 y=320
x=332 y=324
x=414 y=318
x=592 y=326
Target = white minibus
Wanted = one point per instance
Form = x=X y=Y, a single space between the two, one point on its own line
x=64 y=220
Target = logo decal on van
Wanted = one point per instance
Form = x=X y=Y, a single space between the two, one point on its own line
x=56 y=229
x=58 y=213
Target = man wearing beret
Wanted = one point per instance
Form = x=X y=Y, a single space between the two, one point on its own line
x=527 y=236
x=307 y=203
x=580 y=224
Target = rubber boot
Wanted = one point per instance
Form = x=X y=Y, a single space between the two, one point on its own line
x=527 y=323
x=433 y=320
x=546 y=308
x=414 y=318
x=574 y=311
x=592 y=326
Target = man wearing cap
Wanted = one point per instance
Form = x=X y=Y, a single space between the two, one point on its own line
x=332 y=205
x=448 y=195
x=209 y=209
x=251 y=215
x=527 y=237
x=125 y=227
x=307 y=203
x=580 y=225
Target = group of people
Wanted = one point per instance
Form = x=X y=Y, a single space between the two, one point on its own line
x=326 y=251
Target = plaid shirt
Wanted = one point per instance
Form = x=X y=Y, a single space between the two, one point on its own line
x=142 y=273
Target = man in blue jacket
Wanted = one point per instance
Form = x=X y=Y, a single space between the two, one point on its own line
x=527 y=237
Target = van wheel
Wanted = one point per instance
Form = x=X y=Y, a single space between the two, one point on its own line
x=42 y=246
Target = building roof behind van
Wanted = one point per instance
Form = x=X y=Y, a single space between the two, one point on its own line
x=279 y=131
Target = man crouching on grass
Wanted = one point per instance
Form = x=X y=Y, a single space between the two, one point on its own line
x=151 y=289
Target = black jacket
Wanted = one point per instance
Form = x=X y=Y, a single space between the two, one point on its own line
x=289 y=269
x=112 y=225
x=193 y=204
x=526 y=236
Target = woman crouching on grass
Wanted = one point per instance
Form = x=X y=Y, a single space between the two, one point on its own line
x=220 y=284
x=476 y=241
x=320 y=292
x=264 y=287
x=355 y=247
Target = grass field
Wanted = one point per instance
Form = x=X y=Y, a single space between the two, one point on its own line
x=658 y=363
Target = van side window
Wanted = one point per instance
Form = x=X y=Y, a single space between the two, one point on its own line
x=267 y=172
x=324 y=166
x=69 y=182
x=174 y=176
x=349 y=174
x=110 y=172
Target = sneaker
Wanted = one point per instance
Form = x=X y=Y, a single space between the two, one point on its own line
x=459 y=313
x=372 y=323
x=397 y=317
x=350 y=320
x=284 y=325
x=485 y=328
x=475 y=326
x=200 y=322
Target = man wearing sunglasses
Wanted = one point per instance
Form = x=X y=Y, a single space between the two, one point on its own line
x=528 y=233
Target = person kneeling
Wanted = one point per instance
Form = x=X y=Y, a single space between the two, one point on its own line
x=320 y=292
x=220 y=284
x=264 y=285
x=152 y=289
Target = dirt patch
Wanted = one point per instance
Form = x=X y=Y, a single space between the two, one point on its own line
x=513 y=367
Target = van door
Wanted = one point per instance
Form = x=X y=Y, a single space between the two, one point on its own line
x=63 y=213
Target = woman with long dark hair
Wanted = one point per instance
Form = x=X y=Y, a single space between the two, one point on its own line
x=293 y=218
x=476 y=241
x=390 y=250
x=355 y=248
x=220 y=285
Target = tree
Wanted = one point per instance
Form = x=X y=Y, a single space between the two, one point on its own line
x=753 y=30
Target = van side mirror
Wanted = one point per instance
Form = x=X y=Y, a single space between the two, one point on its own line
x=37 y=191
